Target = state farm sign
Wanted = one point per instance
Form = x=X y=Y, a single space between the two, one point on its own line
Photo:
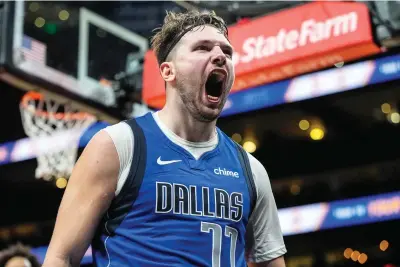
x=300 y=40
x=286 y=44
x=310 y=32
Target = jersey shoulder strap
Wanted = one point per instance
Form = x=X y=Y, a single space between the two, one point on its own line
x=246 y=167
x=122 y=204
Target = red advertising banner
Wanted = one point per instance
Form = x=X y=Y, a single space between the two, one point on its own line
x=303 y=39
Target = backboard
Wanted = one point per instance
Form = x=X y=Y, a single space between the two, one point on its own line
x=69 y=53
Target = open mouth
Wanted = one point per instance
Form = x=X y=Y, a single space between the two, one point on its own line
x=215 y=85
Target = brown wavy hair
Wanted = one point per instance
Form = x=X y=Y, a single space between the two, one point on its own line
x=18 y=250
x=176 y=23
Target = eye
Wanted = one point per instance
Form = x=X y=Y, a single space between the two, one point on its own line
x=203 y=48
x=228 y=53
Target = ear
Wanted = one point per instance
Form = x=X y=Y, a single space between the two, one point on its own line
x=167 y=70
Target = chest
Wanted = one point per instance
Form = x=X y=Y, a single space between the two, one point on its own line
x=213 y=186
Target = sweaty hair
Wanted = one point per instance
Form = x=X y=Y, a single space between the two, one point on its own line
x=17 y=251
x=178 y=24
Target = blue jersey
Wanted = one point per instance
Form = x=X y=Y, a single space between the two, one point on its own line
x=174 y=210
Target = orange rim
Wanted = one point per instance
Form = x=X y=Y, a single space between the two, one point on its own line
x=58 y=115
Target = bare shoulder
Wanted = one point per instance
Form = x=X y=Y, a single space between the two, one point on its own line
x=99 y=158
x=96 y=170
x=101 y=140
x=100 y=148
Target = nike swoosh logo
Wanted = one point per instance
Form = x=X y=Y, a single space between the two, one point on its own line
x=166 y=162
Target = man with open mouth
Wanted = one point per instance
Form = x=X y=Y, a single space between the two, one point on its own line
x=170 y=188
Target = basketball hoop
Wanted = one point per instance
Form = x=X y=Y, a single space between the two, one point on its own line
x=55 y=129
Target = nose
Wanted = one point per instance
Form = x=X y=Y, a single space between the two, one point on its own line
x=218 y=58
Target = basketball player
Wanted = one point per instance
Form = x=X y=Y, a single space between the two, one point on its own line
x=169 y=188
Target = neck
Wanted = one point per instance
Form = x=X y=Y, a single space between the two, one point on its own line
x=180 y=121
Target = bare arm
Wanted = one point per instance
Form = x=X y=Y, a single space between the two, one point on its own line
x=88 y=195
x=278 y=262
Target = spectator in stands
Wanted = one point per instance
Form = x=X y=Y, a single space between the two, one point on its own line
x=18 y=256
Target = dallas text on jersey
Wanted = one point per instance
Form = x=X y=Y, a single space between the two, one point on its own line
x=182 y=199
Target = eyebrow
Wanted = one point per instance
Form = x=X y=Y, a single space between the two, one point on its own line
x=222 y=45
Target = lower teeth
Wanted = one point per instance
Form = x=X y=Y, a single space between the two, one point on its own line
x=212 y=97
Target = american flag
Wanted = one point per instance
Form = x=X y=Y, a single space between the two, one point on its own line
x=33 y=50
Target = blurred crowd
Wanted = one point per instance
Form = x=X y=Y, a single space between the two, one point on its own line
x=18 y=256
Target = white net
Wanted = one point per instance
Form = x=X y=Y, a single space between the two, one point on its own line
x=55 y=130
